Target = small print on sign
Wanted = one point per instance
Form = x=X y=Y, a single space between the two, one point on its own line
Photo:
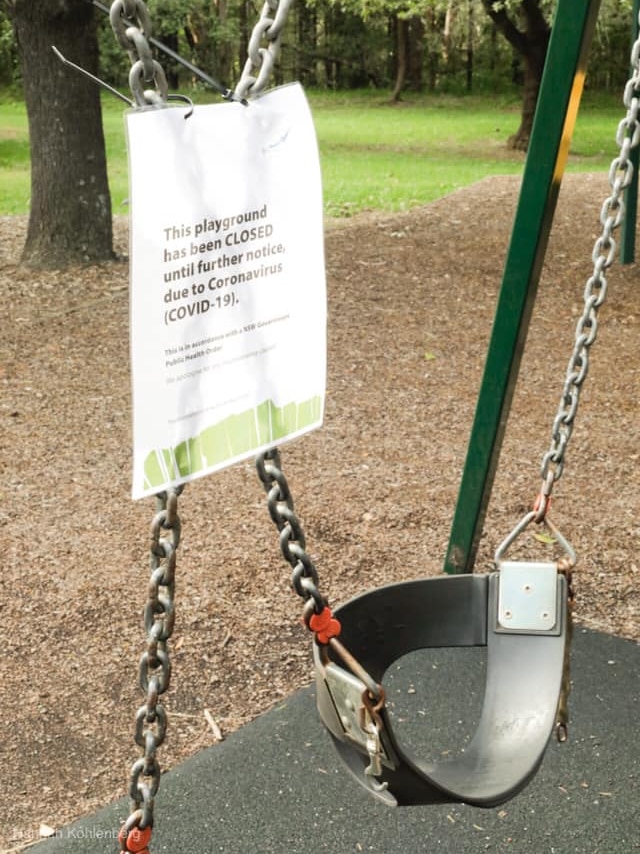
x=228 y=296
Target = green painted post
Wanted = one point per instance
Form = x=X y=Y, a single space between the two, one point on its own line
x=556 y=112
x=628 y=238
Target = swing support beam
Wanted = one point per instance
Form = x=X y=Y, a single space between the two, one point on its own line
x=556 y=113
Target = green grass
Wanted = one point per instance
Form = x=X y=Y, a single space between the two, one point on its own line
x=374 y=155
x=14 y=159
x=381 y=156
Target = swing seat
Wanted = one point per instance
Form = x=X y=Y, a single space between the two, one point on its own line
x=519 y=613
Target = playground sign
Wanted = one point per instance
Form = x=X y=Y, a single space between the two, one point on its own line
x=228 y=302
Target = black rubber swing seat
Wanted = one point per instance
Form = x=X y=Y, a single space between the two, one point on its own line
x=520 y=615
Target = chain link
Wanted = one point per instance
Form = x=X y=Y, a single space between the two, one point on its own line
x=304 y=576
x=131 y=24
x=603 y=256
x=155 y=667
x=261 y=60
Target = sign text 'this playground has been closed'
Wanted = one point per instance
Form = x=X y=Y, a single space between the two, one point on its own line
x=228 y=304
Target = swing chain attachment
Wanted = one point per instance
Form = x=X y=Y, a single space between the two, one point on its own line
x=304 y=577
x=603 y=256
x=131 y=24
x=371 y=723
x=562 y=714
x=564 y=566
x=154 y=672
x=317 y=615
x=261 y=60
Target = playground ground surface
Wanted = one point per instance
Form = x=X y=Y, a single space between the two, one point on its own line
x=411 y=300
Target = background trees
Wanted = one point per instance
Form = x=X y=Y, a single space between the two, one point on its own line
x=396 y=45
x=437 y=45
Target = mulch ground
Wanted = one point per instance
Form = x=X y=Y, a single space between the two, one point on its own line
x=411 y=302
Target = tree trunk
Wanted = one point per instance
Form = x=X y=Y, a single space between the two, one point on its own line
x=171 y=67
x=533 y=68
x=447 y=33
x=435 y=24
x=469 y=62
x=402 y=39
x=415 y=64
x=70 y=213
x=531 y=42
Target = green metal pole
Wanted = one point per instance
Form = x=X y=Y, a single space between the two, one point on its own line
x=628 y=238
x=556 y=112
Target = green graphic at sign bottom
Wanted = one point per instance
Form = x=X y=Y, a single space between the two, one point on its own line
x=230 y=439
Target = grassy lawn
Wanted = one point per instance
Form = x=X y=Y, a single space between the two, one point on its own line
x=374 y=155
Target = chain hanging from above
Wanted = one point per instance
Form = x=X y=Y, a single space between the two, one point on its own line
x=154 y=673
x=131 y=24
x=261 y=60
x=317 y=615
x=603 y=256
x=304 y=577
x=207 y=79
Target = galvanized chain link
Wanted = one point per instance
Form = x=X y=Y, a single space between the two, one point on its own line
x=261 y=60
x=131 y=24
x=317 y=615
x=304 y=576
x=603 y=256
x=154 y=669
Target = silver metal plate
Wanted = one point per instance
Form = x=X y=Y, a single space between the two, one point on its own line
x=528 y=596
x=346 y=692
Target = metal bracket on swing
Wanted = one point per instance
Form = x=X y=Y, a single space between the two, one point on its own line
x=519 y=612
x=528 y=592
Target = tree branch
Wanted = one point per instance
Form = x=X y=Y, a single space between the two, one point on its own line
x=505 y=25
x=536 y=21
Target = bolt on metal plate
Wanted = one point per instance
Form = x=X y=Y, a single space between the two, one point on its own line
x=346 y=692
x=527 y=597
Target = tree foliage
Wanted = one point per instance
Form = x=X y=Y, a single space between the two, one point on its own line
x=440 y=45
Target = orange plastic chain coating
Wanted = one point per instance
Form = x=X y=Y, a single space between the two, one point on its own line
x=135 y=840
x=325 y=625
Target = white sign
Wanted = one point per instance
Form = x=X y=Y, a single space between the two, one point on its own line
x=228 y=302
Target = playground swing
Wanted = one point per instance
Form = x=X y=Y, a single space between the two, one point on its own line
x=521 y=612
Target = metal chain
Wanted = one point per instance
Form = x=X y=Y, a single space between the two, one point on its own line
x=603 y=256
x=259 y=65
x=317 y=615
x=131 y=24
x=304 y=576
x=154 y=671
